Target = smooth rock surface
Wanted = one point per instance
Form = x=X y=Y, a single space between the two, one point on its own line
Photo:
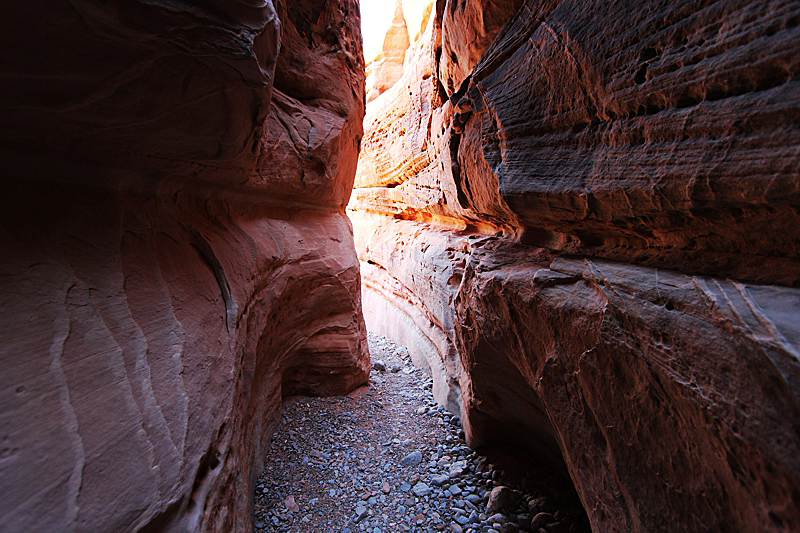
x=176 y=259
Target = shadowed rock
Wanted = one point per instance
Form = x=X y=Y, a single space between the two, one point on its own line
x=176 y=259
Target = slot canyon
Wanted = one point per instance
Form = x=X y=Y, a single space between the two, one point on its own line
x=572 y=227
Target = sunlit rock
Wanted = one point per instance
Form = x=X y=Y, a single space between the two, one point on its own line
x=582 y=218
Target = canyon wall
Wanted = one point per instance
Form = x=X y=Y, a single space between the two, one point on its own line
x=582 y=217
x=176 y=255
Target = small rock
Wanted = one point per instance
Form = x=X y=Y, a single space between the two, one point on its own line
x=412 y=459
x=291 y=505
x=524 y=521
x=386 y=488
x=405 y=487
x=419 y=519
x=541 y=519
x=395 y=369
x=379 y=366
x=440 y=480
x=474 y=499
x=455 y=528
x=497 y=518
x=457 y=469
x=502 y=498
x=538 y=505
x=509 y=527
x=361 y=513
x=421 y=489
x=555 y=527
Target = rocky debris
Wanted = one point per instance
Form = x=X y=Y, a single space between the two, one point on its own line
x=339 y=458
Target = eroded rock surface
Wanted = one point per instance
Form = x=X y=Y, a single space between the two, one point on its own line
x=176 y=257
x=387 y=67
x=582 y=218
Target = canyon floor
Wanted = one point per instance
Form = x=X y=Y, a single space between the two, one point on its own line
x=386 y=458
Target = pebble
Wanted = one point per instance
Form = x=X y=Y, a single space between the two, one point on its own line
x=412 y=459
x=541 y=519
x=347 y=465
x=458 y=469
x=502 y=498
x=421 y=489
x=291 y=504
x=440 y=480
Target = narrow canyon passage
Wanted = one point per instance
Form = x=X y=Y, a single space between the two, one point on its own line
x=388 y=458
x=580 y=218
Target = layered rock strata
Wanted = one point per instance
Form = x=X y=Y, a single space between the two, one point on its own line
x=176 y=257
x=582 y=218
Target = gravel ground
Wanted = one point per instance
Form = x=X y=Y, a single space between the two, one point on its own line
x=388 y=459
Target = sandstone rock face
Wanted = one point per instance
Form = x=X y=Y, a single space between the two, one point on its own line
x=583 y=218
x=411 y=17
x=176 y=257
x=385 y=69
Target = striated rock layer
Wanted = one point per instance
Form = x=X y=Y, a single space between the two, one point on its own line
x=176 y=257
x=583 y=218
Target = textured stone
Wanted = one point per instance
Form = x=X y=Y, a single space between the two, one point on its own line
x=175 y=256
x=502 y=498
x=412 y=459
x=387 y=67
x=551 y=222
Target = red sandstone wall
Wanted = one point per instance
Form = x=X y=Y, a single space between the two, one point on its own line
x=175 y=255
x=602 y=211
